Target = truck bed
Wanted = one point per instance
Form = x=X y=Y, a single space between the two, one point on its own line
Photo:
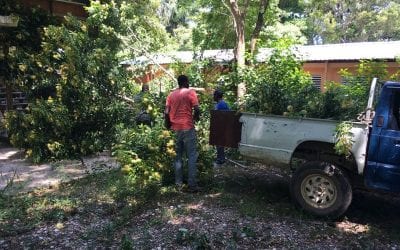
x=273 y=139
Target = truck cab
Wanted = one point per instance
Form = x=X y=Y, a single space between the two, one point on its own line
x=383 y=159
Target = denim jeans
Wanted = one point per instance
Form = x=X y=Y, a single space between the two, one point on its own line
x=220 y=155
x=186 y=142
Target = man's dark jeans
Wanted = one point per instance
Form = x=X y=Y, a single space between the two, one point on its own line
x=186 y=141
x=220 y=155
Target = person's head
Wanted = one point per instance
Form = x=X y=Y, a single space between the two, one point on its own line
x=183 y=81
x=145 y=87
x=218 y=95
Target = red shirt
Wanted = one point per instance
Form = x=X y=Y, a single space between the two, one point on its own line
x=181 y=102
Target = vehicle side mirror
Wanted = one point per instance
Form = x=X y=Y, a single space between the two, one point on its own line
x=380 y=121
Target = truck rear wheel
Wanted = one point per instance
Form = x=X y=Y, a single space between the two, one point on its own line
x=322 y=189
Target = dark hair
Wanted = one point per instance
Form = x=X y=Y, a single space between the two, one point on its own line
x=145 y=87
x=218 y=94
x=183 y=81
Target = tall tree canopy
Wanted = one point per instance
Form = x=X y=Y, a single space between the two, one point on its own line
x=235 y=24
x=340 y=21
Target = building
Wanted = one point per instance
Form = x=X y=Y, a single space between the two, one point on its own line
x=323 y=62
x=59 y=8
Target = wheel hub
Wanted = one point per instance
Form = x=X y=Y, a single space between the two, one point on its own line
x=318 y=191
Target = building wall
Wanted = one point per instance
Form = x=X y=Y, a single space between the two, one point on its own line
x=57 y=7
x=321 y=71
x=329 y=71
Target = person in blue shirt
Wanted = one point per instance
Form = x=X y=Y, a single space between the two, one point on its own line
x=220 y=105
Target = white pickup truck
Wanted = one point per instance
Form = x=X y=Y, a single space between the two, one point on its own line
x=323 y=180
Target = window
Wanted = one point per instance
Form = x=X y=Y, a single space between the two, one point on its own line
x=395 y=112
x=316 y=79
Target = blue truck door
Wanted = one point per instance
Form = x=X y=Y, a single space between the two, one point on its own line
x=383 y=167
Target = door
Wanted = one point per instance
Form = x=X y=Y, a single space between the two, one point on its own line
x=383 y=170
x=225 y=128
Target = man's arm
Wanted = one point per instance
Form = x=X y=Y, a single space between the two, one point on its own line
x=196 y=113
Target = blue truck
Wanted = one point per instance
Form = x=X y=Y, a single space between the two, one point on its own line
x=323 y=181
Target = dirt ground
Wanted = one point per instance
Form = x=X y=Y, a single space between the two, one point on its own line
x=250 y=209
x=20 y=175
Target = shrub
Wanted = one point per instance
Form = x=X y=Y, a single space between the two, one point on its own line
x=75 y=83
x=147 y=153
x=280 y=86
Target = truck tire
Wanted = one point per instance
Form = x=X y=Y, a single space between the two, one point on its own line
x=322 y=189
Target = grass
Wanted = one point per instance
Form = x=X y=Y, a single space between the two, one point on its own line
x=44 y=206
x=110 y=197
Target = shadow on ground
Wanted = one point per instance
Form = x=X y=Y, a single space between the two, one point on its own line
x=377 y=213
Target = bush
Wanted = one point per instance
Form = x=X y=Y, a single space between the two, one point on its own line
x=147 y=153
x=73 y=85
x=280 y=86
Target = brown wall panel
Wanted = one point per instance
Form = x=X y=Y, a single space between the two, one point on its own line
x=61 y=9
x=330 y=71
x=57 y=8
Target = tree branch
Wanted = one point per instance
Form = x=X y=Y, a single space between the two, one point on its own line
x=245 y=7
x=146 y=54
x=259 y=25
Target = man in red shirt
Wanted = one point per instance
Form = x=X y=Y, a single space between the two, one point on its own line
x=182 y=106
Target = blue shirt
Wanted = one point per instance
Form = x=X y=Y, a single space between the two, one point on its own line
x=221 y=105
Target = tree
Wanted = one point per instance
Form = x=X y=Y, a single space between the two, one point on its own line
x=25 y=37
x=237 y=24
x=239 y=15
x=343 y=21
x=259 y=25
x=269 y=94
x=75 y=82
x=239 y=12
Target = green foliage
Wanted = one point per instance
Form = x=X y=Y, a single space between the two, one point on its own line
x=25 y=37
x=126 y=243
x=283 y=88
x=346 y=101
x=335 y=21
x=214 y=27
x=344 y=141
x=75 y=83
x=69 y=85
x=146 y=154
x=193 y=239
x=396 y=75
x=280 y=86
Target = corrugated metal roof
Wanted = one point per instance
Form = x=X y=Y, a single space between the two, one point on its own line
x=327 y=52
x=343 y=51
x=220 y=56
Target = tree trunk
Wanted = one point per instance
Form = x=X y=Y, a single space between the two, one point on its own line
x=238 y=21
x=259 y=25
